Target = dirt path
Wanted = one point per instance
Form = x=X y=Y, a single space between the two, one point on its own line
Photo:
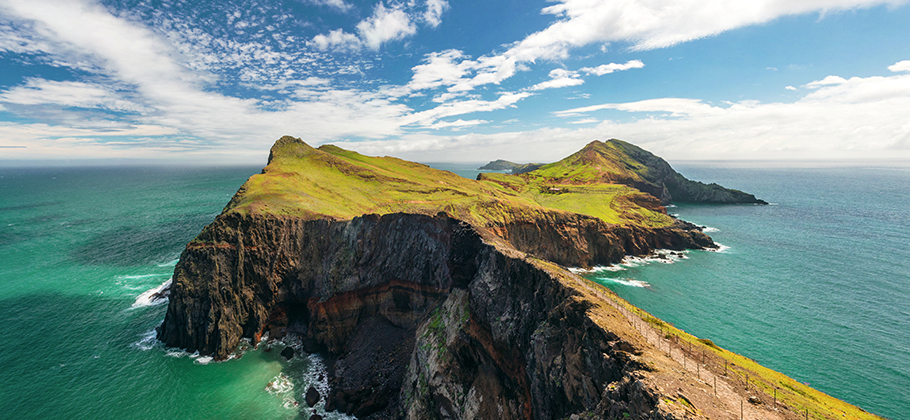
x=713 y=395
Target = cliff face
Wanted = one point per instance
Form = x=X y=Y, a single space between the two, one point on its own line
x=421 y=316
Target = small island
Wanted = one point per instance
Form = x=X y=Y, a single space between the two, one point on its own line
x=511 y=167
x=435 y=296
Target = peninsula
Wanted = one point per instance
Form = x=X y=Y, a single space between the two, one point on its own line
x=436 y=296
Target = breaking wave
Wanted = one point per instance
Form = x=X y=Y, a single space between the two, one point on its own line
x=154 y=296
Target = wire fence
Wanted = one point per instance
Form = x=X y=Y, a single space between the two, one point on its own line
x=756 y=395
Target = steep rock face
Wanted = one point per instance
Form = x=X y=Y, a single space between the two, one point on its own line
x=575 y=240
x=420 y=316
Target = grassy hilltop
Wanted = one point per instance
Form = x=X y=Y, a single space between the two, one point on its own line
x=332 y=182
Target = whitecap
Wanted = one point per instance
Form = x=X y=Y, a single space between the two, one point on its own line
x=169 y=263
x=721 y=248
x=670 y=206
x=317 y=373
x=626 y=282
x=709 y=229
x=664 y=256
x=148 y=341
x=280 y=384
x=203 y=360
x=154 y=296
x=611 y=268
x=142 y=276
x=290 y=404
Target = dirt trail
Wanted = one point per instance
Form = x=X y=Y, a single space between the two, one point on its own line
x=692 y=382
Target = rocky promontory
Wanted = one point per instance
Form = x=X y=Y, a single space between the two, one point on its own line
x=618 y=162
x=430 y=295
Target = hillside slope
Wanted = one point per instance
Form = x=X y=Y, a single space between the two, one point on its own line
x=618 y=162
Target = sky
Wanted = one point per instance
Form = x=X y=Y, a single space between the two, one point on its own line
x=217 y=82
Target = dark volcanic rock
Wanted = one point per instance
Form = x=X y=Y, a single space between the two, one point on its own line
x=288 y=353
x=419 y=316
x=312 y=397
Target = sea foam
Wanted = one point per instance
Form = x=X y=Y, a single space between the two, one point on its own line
x=154 y=296
x=721 y=248
x=626 y=282
x=148 y=341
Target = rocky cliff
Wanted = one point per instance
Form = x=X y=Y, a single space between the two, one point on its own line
x=421 y=316
x=449 y=300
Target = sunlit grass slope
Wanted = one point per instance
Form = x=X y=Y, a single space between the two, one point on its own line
x=307 y=182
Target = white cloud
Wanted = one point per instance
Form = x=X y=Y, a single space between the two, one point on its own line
x=610 y=68
x=789 y=88
x=433 y=14
x=650 y=24
x=69 y=94
x=338 y=40
x=457 y=124
x=856 y=118
x=674 y=107
x=439 y=69
x=386 y=24
x=451 y=109
x=645 y=24
x=827 y=81
x=559 y=78
x=842 y=118
x=900 y=66
x=585 y=121
x=338 y=4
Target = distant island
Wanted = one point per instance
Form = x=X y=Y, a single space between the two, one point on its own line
x=435 y=296
x=512 y=167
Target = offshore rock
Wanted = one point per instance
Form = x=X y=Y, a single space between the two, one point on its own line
x=312 y=397
x=288 y=353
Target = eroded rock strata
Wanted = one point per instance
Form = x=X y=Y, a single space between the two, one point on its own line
x=421 y=316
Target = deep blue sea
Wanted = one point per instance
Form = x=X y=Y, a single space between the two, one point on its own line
x=816 y=285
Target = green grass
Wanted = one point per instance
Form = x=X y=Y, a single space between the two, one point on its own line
x=306 y=182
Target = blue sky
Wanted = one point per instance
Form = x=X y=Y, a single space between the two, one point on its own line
x=439 y=80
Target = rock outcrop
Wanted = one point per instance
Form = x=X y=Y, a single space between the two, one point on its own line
x=420 y=316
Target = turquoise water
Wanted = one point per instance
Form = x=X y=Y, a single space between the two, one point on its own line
x=817 y=286
x=79 y=247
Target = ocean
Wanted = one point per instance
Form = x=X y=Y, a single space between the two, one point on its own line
x=816 y=285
